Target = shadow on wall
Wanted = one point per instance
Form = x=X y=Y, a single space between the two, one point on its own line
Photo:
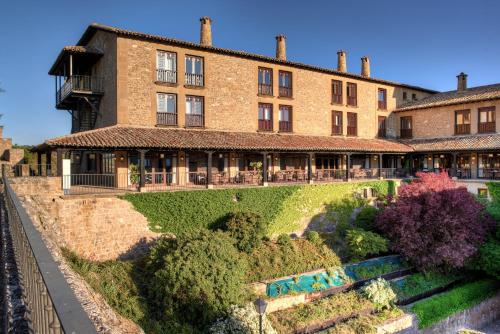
x=138 y=250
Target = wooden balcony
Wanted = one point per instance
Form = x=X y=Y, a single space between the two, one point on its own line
x=166 y=118
x=78 y=86
x=487 y=127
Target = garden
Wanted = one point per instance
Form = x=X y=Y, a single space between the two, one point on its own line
x=432 y=250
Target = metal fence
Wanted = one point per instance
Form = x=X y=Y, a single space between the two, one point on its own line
x=20 y=170
x=51 y=305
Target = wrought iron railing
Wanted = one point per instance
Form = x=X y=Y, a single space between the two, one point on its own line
x=285 y=126
x=193 y=79
x=166 y=118
x=168 y=76
x=406 y=133
x=265 y=89
x=51 y=305
x=265 y=125
x=285 y=91
x=194 y=120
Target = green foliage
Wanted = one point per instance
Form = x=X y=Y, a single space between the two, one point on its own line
x=313 y=237
x=380 y=293
x=362 y=243
x=365 y=272
x=488 y=258
x=196 y=278
x=272 y=260
x=281 y=208
x=247 y=228
x=284 y=240
x=422 y=282
x=494 y=190
x=366 y=218
x=438 y=307
x=365 y=324
x=339 y=305
x=134 y=173
x=29 y=157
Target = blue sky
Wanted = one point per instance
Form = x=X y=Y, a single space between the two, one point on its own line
x=424 y=43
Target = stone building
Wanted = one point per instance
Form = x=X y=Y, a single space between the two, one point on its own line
x=165 y=109
x=9 y=155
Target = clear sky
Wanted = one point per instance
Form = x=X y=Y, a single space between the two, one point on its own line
x=425 y=43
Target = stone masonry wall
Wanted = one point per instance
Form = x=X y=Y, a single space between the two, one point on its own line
x=97 y=228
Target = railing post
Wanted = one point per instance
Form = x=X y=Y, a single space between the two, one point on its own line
x=209 y=169
x=264 y=169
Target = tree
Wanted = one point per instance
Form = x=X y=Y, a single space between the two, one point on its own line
x=196 y=278
x=247 y=228
x=435 y=223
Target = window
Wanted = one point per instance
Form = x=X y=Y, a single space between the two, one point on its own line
x=285 y=119
x=462 y=122
x=352 y=124
x=352 y=93
x=405 y=96
x=337 y=122
x=414 y=97
x=166 y=66
x=336 y=92
x=382 y=126
x=382 y=99
x=194 y=111
x=265 y=117
x=166 y=109
x=194 y=71
x=265 y=81
x=285 y=84
x=406 y=127
x=486 y=120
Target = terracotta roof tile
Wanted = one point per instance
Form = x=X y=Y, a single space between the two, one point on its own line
x=462 y=143
x=126 y=137
x=474 y=94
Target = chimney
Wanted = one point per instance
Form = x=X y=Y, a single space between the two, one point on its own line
x=206 y=31
x=341 y=63
x=462 y=81
x=365 y=66
x=281 y=47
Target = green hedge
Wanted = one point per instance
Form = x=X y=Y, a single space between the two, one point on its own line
x=280 y=207
x=494 y=190
x=432 y=310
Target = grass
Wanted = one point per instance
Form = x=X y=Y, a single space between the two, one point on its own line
x=419 y=283
x=364 y=324
x=365 y=272
x=339 y=305
x=434 y=309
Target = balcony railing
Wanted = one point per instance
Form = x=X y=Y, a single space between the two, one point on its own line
x=486 y=127
x=166 y=76
x=285 y=91
x=194 y=120
x=488 y=173
x=406 y=133
x=265 y=125
x=265 y=89
x=330 y=175
x=80 y=83
x=285 y=126
x=352 y=130
x=462 y=129
x=166 y=118
x=337 y=99
x=382 y=133
x=382 y=105
x=337 y=130
x=193 y=79
x=352 y=101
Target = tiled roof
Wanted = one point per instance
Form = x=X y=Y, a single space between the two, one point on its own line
x=462 y=143
x=474 y=94
x=127 y=137
x=87 y=35
x=75 y=49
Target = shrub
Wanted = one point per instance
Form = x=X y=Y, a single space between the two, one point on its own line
x=242 y=320
x=247 y=228
x=284 y=240
x=488 y=258
x=196 y=278
x=438 y=307
x=313 y=237
x=366 y=218
x=380 y=293
x=434 y=223
x=362 y=243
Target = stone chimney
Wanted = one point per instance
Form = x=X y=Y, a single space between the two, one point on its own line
x=341 y=61
x=206 y=31
x=281 y=47
x=365 y=66
x=462 y=81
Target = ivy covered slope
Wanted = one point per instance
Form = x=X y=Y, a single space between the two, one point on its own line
x=280 y=207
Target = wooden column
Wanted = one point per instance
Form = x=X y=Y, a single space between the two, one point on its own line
x=142 y=181
x=264 y=169
x=454 y=164
x=380 y=165
x=309 y=168
x=348 y=166
x=209 y=169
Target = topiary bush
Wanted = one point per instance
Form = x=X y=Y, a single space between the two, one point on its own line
x=380 y=293
x=247 y=229
x=366 y=218
x=313 y=236
x=434 y=223
x=195 y=278
x=362 y=243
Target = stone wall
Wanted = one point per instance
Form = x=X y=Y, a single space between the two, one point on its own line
x=95 y=227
